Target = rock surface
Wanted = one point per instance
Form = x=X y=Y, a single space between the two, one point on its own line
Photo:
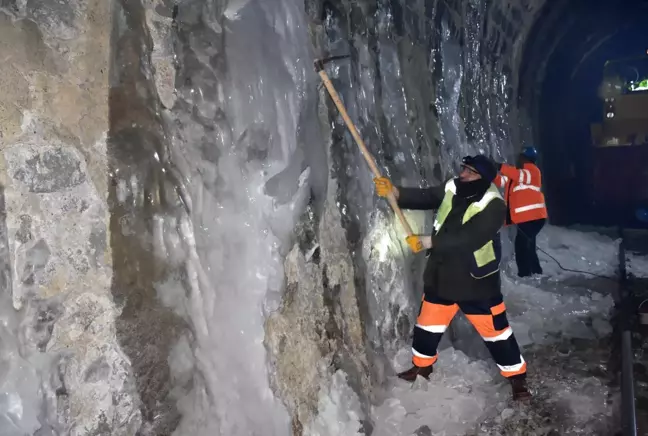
x=53 y=168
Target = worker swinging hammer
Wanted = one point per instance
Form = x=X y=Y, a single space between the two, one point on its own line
x=464 y=253
x=462 y=270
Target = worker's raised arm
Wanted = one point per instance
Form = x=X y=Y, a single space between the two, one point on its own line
x=421 y=198
x=411 y=198
x=520 y=176
x=475 y=233
x=500 y=181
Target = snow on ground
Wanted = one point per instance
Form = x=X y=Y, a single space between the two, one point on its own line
x=577 y=251
x=560 y=334
x=637 y=264
x=584 y=251
x=339 y=408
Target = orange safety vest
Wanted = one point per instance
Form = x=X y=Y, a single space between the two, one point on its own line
x=522 y=192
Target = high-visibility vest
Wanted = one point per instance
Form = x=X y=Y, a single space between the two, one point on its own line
x=486 y=260
x=522 y=192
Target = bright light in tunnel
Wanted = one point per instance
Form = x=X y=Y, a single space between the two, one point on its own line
x=382 y=245
x=641 y=86
x=388 y=234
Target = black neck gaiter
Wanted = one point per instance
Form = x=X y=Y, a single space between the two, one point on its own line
x=470 y=190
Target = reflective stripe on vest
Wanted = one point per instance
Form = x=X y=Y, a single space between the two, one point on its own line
x=525 y=177
x=446 y=205
x=530 y=207
x=524 y=187
x=525 y=199
x=487 y=258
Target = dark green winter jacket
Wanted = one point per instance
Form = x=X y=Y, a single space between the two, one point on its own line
x=448 y=271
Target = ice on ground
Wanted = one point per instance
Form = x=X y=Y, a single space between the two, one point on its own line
x=340 y=412
x=581 y=252
x=539 y=317
x=637 y=264
x=560 y=334
x=460 y=393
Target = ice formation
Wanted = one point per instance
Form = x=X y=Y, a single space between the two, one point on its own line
x=248 y=184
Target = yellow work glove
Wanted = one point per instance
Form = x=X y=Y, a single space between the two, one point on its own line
x=415 y=243
x=384 y=186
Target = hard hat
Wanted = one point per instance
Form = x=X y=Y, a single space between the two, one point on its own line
x=530 y=152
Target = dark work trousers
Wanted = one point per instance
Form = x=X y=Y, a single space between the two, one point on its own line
x=526 y=255
x=489 y=319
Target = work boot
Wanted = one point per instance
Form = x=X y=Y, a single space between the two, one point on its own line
x=520 y=388
x=410 y=374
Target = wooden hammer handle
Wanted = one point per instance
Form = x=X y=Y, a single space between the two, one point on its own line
x=363 y=148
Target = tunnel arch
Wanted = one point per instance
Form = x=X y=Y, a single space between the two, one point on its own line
x=561 y=69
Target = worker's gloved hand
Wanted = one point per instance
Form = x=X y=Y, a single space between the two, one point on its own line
x=384 y=186
x=415 y=243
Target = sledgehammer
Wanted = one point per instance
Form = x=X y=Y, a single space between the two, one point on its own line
x=319 y=67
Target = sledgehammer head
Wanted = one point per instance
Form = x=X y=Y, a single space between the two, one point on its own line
x=319 y=63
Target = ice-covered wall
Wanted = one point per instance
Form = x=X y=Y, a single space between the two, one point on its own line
x=143 y=187
x=246 y=281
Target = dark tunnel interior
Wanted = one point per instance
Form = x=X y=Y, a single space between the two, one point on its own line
x=561 y=82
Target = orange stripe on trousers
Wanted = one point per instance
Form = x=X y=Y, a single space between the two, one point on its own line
x=500 y=308
x=433 y=314
x=436 y=314
x=484 y=325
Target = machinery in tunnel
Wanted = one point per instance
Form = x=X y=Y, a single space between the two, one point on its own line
x=618 y=174
x=624 y=94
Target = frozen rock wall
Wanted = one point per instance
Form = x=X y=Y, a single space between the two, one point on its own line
x=64 y=371
x=427 y=83
x=190 y=240
x=143 y=185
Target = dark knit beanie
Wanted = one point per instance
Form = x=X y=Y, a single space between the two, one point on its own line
x=483 y=165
